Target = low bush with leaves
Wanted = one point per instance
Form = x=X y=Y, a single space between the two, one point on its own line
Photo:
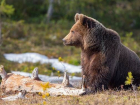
x=129 y=79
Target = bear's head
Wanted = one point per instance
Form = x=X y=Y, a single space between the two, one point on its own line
x=84 y=33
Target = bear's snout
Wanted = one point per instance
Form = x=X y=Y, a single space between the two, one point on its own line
x=64 y=41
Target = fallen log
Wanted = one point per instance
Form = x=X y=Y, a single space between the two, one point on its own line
x=20 y=95
x=14 y=82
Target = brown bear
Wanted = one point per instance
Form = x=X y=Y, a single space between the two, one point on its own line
x=105 y=60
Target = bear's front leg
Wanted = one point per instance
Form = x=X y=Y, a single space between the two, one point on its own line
x=97 y=83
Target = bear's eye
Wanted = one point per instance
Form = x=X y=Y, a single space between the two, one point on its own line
x=72 y=31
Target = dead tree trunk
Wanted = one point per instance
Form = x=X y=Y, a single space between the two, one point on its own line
x=13 y=82
x=0 y=32
x=0 y=29
x=50 y=10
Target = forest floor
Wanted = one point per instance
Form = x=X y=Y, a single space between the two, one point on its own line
x=109 y=97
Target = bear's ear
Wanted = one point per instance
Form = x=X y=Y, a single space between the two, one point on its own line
x=76 y=18
x=87 y=21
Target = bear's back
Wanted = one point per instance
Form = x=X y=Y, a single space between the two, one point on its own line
x=128 y=62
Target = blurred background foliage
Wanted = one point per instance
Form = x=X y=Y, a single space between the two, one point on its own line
x=39 y=26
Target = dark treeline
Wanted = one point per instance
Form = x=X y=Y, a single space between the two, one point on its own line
x=123 y=14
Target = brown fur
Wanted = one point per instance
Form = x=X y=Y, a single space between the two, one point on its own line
x=104 y=59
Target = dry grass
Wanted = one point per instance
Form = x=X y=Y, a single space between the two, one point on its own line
x=109 y=97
